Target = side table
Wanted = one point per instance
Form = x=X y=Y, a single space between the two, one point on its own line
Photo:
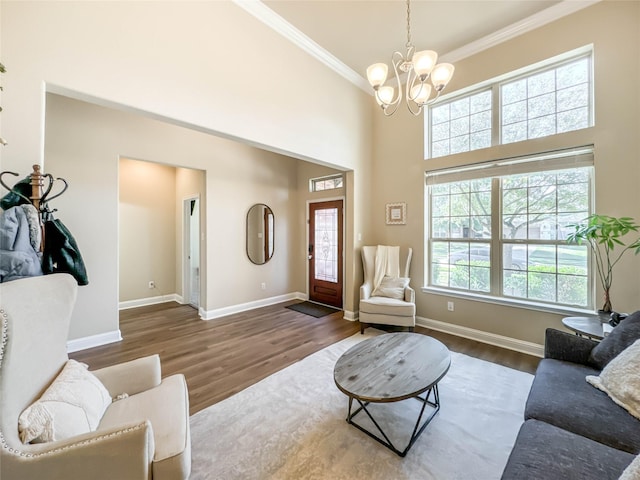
x=590 y=327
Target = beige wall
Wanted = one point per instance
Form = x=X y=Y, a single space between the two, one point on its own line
x=614 y=29
x=185 y=61
x=84 y=144
x=179 y=61
x=147 y=229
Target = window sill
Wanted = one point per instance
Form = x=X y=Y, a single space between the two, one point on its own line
x=509 y=302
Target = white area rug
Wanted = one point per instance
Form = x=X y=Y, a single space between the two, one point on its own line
x=292 y=425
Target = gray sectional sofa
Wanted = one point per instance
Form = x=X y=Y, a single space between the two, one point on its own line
x=573 y=430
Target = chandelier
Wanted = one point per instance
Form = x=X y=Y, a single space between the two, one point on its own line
x=420 y=67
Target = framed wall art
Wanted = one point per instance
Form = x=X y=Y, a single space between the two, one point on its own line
x=396 y=213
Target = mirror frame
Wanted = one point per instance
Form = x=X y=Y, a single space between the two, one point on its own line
x=267 y=231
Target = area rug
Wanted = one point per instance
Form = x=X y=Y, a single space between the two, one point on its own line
x=313 y=309
x=292 y=425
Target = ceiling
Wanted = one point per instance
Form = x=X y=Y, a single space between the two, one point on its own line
x=361 y=32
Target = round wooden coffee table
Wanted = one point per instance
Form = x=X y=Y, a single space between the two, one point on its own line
x=390 y=368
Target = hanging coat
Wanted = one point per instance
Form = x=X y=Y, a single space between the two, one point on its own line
x=12 y=199
x=61 y=253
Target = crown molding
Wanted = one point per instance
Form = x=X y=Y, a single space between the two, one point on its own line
x=537 y=20
x=267 y=16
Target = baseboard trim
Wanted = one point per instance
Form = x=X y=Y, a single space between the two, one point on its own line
x=91 y=341
x=509 y=343
x=351 y=316
x=243 y=307
x=143 y=302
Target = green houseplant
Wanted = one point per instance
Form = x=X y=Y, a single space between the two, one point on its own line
x=602 y=234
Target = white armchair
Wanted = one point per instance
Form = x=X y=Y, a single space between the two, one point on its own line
x=143 y=436
x=380 y=308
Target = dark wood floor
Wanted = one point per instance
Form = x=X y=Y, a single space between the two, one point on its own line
x=222 y=357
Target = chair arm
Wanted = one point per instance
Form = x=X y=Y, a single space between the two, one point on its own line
x=125 y=453
x=409 y=295
x=131 y=377
x=564 y=346
x=365 y=291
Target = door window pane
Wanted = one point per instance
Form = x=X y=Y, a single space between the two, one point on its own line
x=326 y=245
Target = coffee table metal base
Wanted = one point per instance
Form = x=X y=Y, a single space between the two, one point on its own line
x=418 y=429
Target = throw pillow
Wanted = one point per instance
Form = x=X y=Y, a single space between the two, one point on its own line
x=632 y=472
x=620 y=379
x=627 y=332
x=391 y=287
x=73 y=404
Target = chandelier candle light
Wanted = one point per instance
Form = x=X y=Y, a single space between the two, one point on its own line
x=420 y=67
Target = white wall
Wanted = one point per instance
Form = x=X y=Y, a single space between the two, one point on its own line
x=614 y=29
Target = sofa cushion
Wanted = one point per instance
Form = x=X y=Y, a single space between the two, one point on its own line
x=627 y=332
x=391 y=287
x=388 y=306
x=172 y=458
x=620 y=379
x=560 y=396
x=73 y=404
x=544 y=452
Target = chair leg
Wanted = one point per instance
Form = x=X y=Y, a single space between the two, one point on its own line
x=411 y=329
x=362 y=327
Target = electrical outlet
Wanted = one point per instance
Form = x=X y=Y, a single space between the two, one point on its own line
x=263 y=286
x=450 y=306
x=152 y=284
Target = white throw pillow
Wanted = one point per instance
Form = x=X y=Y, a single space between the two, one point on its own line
x=632 y=472
x=620 y=379
x=73 y=404
x=391 y=287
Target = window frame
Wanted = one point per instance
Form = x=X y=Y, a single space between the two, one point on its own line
x=495 y=86
x=313 y=182
x=496 y=294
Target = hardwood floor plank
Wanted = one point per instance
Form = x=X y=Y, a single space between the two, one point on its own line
x=223 y=356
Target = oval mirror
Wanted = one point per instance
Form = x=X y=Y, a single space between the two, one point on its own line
x=260 y=226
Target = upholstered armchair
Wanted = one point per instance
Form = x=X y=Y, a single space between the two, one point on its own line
x=392 y=302
x=141 y=422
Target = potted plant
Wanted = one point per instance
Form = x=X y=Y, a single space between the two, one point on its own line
x=602 y=234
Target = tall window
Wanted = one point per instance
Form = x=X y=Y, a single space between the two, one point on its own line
x=552 y=101
x=500 y=230
x=544 y=101
x=461 y=125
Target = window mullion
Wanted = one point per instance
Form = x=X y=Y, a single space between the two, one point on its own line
x=495 y=115
x=496 y=235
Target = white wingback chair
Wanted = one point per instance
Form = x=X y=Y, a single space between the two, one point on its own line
x=386 y=310
x=144 y=436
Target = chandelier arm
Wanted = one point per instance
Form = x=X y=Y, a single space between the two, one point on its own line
x=391 y=107
x=418 y=108
x=396 y=63
x=411 y=82
x=433 y=100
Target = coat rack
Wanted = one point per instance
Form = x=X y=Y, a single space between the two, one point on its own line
x=60 y=252
x=35 y=189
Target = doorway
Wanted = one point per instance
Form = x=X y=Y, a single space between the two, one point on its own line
x=325 y=252
x=191 y=251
